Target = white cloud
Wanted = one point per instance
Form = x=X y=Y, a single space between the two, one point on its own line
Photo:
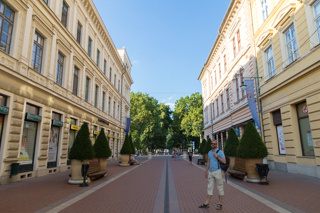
x=171 y=105
x=170 y=98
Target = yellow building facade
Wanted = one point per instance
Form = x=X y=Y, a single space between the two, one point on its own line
x=287 y=45
x=58 y=69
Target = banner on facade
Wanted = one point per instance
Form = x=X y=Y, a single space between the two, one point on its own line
x=251 y=101
x=128 y=125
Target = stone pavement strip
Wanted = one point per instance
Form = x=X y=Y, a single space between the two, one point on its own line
x=159 y=185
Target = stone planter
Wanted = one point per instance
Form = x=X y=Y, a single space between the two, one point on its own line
x=205 y=156
x=252 y=174
x=76 y=177
x=232 y=161
x=103 y=163
x=124 y=160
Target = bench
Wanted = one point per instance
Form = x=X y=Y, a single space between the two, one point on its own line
x=239 y=169
x=94 y=170
x=202 y=162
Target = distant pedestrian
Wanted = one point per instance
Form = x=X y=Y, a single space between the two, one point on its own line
x=200 y=158
x=178 y=154
x=172 y=153
x=175 y=154
x=190 y=156
x=213 y=174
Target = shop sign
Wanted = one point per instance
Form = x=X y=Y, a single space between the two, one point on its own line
x=32 y=117
x=57 y=123
x=305 y=109
x=118 y=137
x=237 y=130
x=114 y=136
x=4 y=110
x=103 y=121
x=74 y=127
x=95 y=132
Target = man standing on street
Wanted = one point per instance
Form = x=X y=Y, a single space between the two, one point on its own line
x=213 y=174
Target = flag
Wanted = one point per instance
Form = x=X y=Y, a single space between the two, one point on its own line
x=251 y=101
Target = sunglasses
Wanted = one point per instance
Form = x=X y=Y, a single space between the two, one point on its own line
x=213 y=143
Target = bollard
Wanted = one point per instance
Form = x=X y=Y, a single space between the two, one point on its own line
x=84 y=170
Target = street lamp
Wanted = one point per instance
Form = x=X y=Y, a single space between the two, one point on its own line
x=244 y=86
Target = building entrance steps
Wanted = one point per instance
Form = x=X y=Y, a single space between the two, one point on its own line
x=159 y=185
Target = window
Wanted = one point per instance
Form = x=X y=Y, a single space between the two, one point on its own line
x=86 y=98
x=119 y=85
x=98 y=57
x=217 y=107
x=241 y=79
x=89 y=46
x=109 y=106
x=222 y=107
x=316 y=8
x=213 y=115
x=54 y=140
x=115 y=80
x=103 y=101
x=59 y=73
x=219 y=71
x=228 y=99
x=75 y=80
x=64 y=16
x=225 y=63
x=79 y=31
x=277 y=121
x=37 y=53
x=264 y=8
x=305 y=130
x=237 y=89
x=114 y=109
x=291 y=44
x=234 y=47
x=6 y=26
x=46 y=1
x=96 y=92
x=118 y=113
x=239 y=40
x=110 y=74
x=270 y=62
x=105 y=67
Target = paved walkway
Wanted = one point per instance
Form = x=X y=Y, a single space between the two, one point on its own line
x=159 y=185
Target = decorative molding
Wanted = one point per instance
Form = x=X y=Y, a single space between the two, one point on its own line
x=264 y=37
x=283 y=15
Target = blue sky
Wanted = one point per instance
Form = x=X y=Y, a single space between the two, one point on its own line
x=167 y=41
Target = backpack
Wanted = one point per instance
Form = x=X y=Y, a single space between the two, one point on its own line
x=223 y=166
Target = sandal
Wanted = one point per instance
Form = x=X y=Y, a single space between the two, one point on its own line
x=204 y=206
x=219 y=207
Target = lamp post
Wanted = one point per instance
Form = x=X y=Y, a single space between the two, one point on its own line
x=244 y=87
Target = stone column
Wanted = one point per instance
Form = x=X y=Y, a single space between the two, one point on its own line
x=74 y=27
x=93 y=90
x=83 y=86
x=51 y=76
x=86 y=35
x=70 y=76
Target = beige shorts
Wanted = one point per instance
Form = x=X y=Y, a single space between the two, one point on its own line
x=215 y=176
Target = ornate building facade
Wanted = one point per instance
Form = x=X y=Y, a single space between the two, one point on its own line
x=230 y=61
x=58 y=69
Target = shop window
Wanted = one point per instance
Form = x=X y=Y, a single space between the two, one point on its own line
x=3 y=111
x=6 y=26
x=277 y=121
x=305 y=130
x=29 y=138
x=37 y=53
x=54 y=139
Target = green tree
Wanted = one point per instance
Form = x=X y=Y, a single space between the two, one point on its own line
x=203 y=144
x=101 y=146
x=251 y=144
x=232 y=143
x=208 y=147
x=82 y=148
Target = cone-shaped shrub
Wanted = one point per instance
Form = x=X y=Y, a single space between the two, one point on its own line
x=207 y=148
x=82 y=148
x=231 y=144
x=126 y=147
x=251 y=144
x=133 y=149
x=101 y=146
x=202 y=145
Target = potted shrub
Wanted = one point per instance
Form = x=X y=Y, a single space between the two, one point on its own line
x=202 y=145
x=125 y=151
x=81 y=152
x=133 y=149
x=101 y=149
x=253 y=150
x=231 y=147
